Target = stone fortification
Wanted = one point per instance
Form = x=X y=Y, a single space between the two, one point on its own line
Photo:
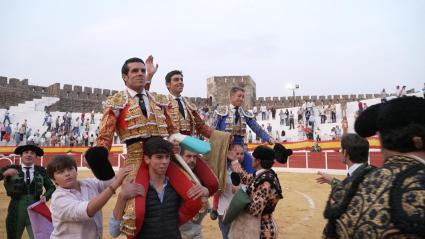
x=73 y=98
x=76 y=98
x=218 y=88
x=14 y=91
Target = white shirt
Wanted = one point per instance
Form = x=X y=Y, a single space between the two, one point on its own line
x=31 y=171
x=133 y=94
x=69 y=211
x=353 y=168
x=182 y=101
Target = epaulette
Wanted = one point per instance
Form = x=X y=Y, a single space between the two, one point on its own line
x=222 y=110
x=159 y=99
x=116 y=101
x=189 y=105
x=247 y=113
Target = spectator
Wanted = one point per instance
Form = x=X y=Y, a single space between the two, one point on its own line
x=263 y=110
x=15 y=130
x=91 y=140
x=344 y=108
x=6 y=116
x=72 y=141
x=46 y=117
x=22 y=131
x=333 y=134
x=48 y=137
x=317 y=133
x=291 y=121
x=333 y=113
x=67 y=139
x=328 y=113
x=300 y=131
x=403 y=91
x=282 y=117
x=311 y=121
x=273 y=110
x=8 y=130
x=28 y=133
x=337 y=132
x=315 y=147
x=92 y=117
x=2 y=131
x=309 y=133
x=283 y=136
x=57 y=123
x=397 y=91
x=344 y=125
x=79 y=140
x=76 y=126
x=86 y=138
x=54 y=140
x=383 y=96
x=322 y=114
x=269 y=128
x=360 y=105
x=300 y=114
x=83 y=115
x=87 y=125
x=255 y=112
x=18 y=138
x=62 y=140
x=287 y=117
x=6 y=137
x=49 y=122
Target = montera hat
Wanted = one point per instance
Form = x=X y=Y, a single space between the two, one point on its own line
x=29 y=147
x=392 y=115
x=279 y=152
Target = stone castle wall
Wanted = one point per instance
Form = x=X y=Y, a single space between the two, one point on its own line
x=14 y=91
x=76 y=98
x=72 y=98
x=286 y=102
x=218 y=89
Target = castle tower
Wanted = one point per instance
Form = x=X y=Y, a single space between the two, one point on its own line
x=218 y=89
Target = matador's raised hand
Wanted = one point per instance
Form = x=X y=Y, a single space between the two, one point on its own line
x=151 y=68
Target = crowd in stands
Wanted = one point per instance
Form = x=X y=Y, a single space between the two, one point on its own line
x=307 y=121
x=63 y=130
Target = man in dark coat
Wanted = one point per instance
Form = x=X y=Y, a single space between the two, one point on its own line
x=24 y=184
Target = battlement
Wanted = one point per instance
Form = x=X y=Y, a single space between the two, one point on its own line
x=72 y=97
x=77 y=98
x=79 y=92
x=282 y=102
x=218 y=88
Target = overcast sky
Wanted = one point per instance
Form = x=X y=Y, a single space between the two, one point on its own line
x=326 y=46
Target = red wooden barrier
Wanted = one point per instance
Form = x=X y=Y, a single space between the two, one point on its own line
x=302 y=160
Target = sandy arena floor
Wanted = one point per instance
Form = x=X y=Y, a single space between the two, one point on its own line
x=298 y=215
